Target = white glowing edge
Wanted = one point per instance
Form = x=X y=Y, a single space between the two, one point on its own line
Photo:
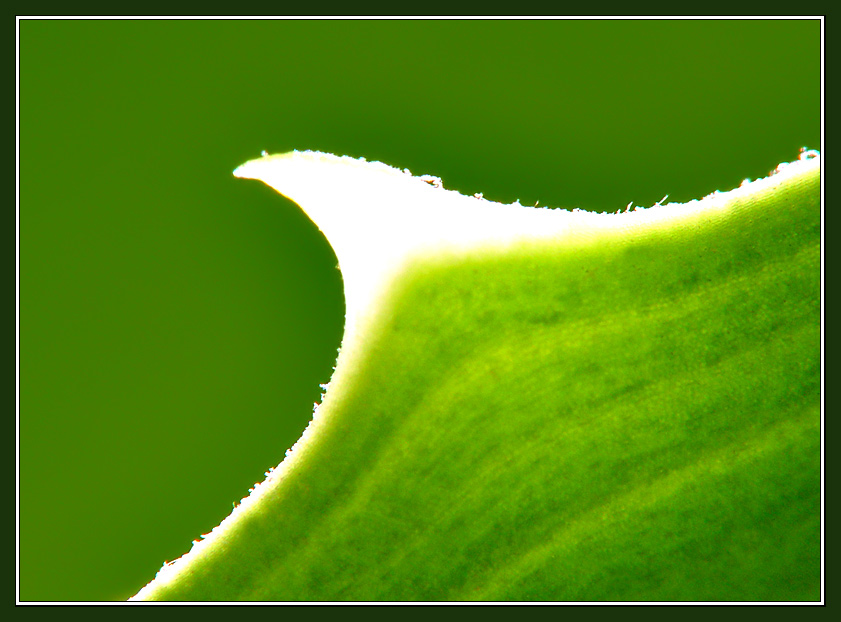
x=377 y=218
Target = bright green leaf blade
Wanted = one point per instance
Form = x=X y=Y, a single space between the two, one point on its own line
x=628 y=412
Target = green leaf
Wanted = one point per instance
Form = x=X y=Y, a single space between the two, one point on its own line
x=545 y=405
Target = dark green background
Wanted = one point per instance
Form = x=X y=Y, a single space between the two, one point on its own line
x=175 y=322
